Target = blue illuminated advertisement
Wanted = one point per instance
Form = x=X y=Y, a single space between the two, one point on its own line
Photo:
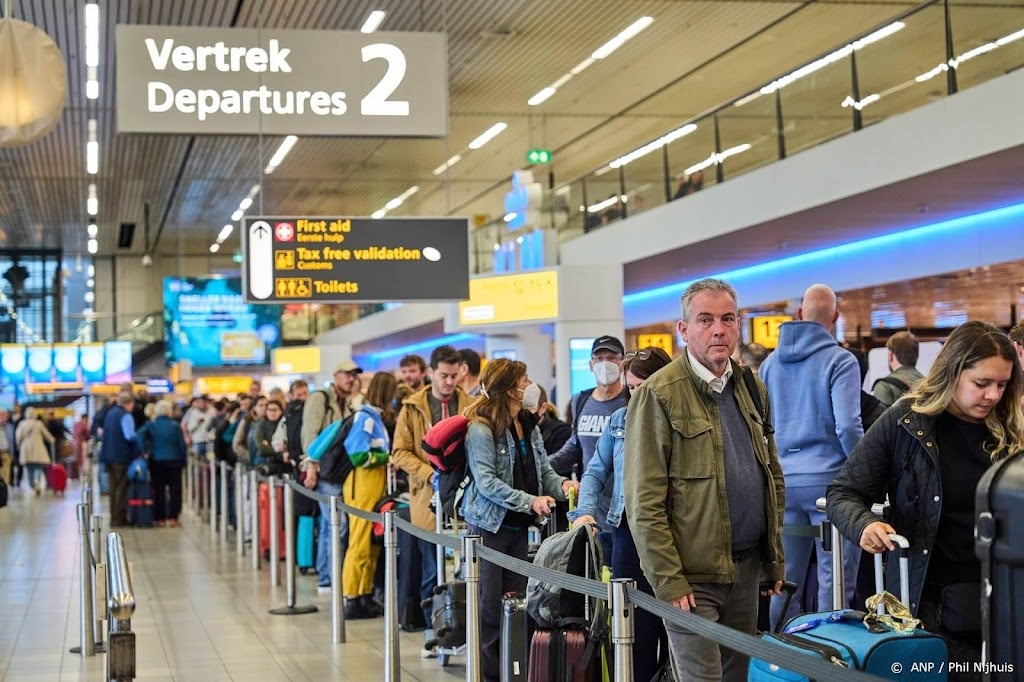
x=40 y=364
x=207 y=322
x=118 y=361
x=93 y=362
x=65 y=363
x=13 y=359
x=580 y=376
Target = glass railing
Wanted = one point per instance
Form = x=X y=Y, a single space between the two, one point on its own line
x=141 y=330
x=926 y=53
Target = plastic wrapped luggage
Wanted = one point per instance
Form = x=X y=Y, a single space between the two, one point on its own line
x=999 y=544
x=841 y=638
x=516 y=631
x=57 y=478
x=264 y=510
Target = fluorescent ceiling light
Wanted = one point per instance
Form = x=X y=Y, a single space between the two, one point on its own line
x=541 y=96
x=373 y=21
x=378 y=214
x=393 y=203
x=610 y=201
x=488 y=135
x=715 y=159
x=89 y=297
x=90 y=282
x=619 y=40
x=858 y=105
x=665 y=139
x=92 y=202
x=92 y=230
x=509 y=217
x=409 y=192
x=225 y=232
x=1006 y=40
x=92 y=157
x=578 y=69
x=92 y=34
x=928 y=75
x=92 y=85
x=560 y=82
x=282 y=151
x=245 y=203
x=237 y=215
x=448 y=164
x=214 y=248
x=92 y=246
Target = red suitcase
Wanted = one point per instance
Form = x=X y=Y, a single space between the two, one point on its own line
x=57 y=478
x=264 y=509
x=559 y=656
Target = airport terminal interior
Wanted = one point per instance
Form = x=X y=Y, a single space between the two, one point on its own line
x=221 y=197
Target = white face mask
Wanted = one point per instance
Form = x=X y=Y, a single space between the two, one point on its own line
x=531 y=397
x=606 y=372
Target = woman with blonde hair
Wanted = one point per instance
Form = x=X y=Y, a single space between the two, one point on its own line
x=512 y=485
x=34 y=442
x=927 y=454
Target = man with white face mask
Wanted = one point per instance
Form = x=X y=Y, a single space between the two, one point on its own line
x=591 y=411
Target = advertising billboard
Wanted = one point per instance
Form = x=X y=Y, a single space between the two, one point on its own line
x=207 y=322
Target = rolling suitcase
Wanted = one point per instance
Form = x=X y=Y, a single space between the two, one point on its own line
x=449 y=619
x=264 y=509
x=841 y=638
x=516 y=631
x=305 y=543
x=563 y=655
x=140 y=503
x=57 y=478
x=999 y=544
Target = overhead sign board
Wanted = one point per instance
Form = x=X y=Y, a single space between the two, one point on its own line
x=310 y=259
x=765 y=329
x=241 y=81
x=662 y=341
x=526 y=297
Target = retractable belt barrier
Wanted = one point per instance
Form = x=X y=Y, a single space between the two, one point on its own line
x=720 y=634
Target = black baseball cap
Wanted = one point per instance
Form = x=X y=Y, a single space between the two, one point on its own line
x=608 y=343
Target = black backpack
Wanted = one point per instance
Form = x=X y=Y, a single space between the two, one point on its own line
x=293 y=428
x=335 y=464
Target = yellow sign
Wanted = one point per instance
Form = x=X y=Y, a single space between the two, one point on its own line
x=284 y=260
x=511 y=298
x=764 y=329
x=223 y=385
x=295 y=360
x=242 y=347
x=662 y=341
x=293 y=287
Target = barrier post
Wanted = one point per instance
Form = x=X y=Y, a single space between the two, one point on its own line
x=337 y=612
x=97 y=553
x=392 y=653
x=275 y=537
x=121 y=607
x=188 y=484
x=838 y=572
x=223 y=506
x=254 y=508
x=622 y=628
x=239 y=483
x=474 y=672
x=88 y=641
x=289 y=556
x=212 y=466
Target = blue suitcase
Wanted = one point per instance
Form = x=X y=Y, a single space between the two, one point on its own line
x=840 y=637
x=140 y=503
x=305 y=543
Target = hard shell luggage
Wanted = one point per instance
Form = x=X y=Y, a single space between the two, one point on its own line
x=449 y=620
x=140 y=503
x=71 y=464
x=841 y=638
x=999 y=544
x=305 y=543
x=516 y=631
x=57 y=478
x=264 y=509
x=563 y=655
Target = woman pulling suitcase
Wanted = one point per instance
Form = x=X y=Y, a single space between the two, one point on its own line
x=928 y=453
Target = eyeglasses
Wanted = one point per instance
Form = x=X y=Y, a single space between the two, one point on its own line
x=638 y=354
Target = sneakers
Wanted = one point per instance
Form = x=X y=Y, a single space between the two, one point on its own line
x=371 y=607
x=323 y=589
x=428 y=652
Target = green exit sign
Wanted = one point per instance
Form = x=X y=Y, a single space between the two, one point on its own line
x=538 y=156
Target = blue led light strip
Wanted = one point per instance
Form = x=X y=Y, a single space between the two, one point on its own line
x=904 y=238
x=419 y=345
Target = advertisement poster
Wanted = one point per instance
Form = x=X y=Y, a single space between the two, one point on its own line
x=118 y=360
x=65 y=364
x=207 y=322
x=580 y=376
x=40 y=364
x=93 y=363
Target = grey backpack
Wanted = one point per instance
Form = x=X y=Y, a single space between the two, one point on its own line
x=576 y=552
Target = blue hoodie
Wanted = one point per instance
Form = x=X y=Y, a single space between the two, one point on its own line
x=814 y=386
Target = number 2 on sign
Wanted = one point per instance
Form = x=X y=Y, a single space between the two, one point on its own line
x=376 y=102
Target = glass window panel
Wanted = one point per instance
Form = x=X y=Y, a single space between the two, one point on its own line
x=645 y=182
x=603 y=205
x=812 y=106
x=987 y=42
x=689 y=152
x=747 y=135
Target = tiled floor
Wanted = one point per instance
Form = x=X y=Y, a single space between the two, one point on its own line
x=201 y=613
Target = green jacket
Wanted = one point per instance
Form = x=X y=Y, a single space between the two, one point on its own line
x=674 y=482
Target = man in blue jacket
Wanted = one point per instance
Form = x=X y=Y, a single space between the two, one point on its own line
x=117 y=452
x=814 y=386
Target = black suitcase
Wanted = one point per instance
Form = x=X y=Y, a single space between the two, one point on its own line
x=999 y=544
x=449 y=619
x=516 y=632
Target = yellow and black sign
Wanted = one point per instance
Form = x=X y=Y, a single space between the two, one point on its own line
x=764 y=329
x=355 y=259
x=662 y=341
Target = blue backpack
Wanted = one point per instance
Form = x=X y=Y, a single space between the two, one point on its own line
x=138 y=470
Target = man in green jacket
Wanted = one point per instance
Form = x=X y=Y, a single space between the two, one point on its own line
x=703 y=487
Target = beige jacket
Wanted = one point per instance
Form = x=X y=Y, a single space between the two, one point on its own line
x=33 y=441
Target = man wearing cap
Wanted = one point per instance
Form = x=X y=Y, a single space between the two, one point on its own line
x=591 y=411
x=321 y=409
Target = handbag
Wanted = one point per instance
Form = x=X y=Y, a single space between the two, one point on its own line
x=959 y=610
x=65 y=450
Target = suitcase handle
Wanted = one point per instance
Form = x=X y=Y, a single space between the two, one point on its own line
x=903 y=547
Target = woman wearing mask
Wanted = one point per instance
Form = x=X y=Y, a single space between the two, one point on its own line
x=512 y=485
x=34 y=442
x=927 y=453
x=368 y=443
x=607 y=464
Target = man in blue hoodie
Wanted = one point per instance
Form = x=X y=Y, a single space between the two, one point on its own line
x=814 y=386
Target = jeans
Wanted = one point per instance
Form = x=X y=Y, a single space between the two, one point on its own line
x=733 y=604
x=323 y=556
x=428 y=579
x=36 y=472
x=495 y=581
x=801 y=508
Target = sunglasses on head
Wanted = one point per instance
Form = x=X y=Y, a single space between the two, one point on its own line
x=638 y=354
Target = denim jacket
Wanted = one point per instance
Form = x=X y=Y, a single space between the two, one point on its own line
x=490 y=494
x=607 y=458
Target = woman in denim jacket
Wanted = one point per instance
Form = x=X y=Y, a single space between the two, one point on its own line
x=512 y=485
x=606 y=463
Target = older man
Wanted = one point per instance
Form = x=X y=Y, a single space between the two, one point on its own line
x=703 y=487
